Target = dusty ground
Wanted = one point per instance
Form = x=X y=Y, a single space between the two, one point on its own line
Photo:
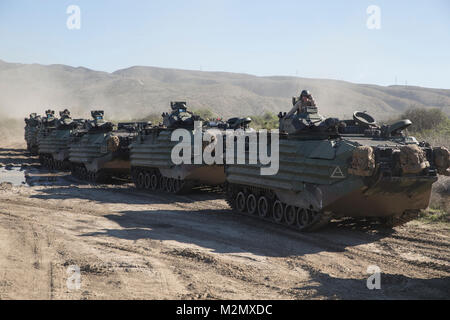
x=129 y=244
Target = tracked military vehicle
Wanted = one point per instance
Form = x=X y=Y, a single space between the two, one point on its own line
x=54 y=148
x=31 y=131
x=331 y=168
x=152 y=167
x=47 y=125
x=102 y=151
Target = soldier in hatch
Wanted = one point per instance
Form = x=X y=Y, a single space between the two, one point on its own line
x=179 y=116
x=300 y=103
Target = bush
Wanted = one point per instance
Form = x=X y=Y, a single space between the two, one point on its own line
x=425 y=119
x=268 y=120
x=434 y=216
x=431 y=125
x=205 y=114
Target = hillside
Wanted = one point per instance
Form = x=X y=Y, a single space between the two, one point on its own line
x=138 y=91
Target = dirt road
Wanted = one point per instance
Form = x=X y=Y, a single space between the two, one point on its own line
x=130 y=244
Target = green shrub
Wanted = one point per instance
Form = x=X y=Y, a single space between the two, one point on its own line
x=205 y=114
x=434 y=216
x=431 y=125
x=425 y=119
x=268 y=120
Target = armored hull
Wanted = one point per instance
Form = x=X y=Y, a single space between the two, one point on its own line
x=42 y=134
x=31 y=131
x=153 y=168
x=54 y=142
x=31 y=139
x=98 y=156
x=338 y=174
x=46 y=127
x=54 y=148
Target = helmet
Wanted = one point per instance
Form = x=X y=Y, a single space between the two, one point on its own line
x=177 y=105
x=305 y=93
x=97 y=114
x=66 y=112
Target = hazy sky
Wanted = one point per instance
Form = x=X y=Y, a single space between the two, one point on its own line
x=316 y=39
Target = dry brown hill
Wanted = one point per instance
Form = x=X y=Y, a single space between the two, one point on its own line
x=138 y=91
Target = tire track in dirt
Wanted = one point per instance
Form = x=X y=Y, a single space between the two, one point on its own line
x=327 y=245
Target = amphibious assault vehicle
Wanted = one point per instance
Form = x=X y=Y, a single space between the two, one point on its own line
x=47 y=125
x=152 y=167
x=102 y=151
x=331 y=168
x=31 y=131
x=54 y=148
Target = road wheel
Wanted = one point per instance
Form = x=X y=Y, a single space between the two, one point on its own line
x=169 y=185
x=140 y=180
x=252 y=205
x=154 y=182
x=278 y=211
x=304 y=218
x=240 y=202
x=263 y=207
x=290 y=215
x=147 y=180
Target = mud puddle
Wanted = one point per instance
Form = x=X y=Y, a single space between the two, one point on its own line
x=31 y=176
x=44 y=177
x=13 y=175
